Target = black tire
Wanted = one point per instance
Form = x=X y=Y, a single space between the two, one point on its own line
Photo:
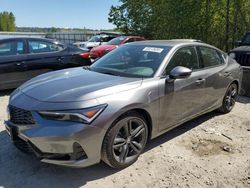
x=125 y=140
x=229 y=99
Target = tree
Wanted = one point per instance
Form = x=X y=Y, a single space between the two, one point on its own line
x=218 y=22
x=132 y=16
x=11 y=22
x=7 y=21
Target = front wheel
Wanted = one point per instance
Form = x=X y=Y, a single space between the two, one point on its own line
x=229 y=99
x=125 y=140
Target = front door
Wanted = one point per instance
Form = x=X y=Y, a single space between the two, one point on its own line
x=181 y=98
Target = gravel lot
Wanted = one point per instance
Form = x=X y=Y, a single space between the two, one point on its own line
x=210 y=151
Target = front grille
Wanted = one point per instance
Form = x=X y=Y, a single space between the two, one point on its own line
x=243 y=59
x=20 y=116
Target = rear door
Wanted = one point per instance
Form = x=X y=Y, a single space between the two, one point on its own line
x=44 y=56
x=182 y=98
x=12 y=63
x=215 y=75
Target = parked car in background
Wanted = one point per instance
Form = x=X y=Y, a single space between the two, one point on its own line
x=100 y=51
x=242 y=52
x=108 y=111
x=94 y=41
x=24 y=58
x=242 y=55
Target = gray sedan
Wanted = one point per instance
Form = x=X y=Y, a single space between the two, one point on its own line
x=108 y=111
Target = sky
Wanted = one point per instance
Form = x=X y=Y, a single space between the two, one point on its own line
x=91 y=14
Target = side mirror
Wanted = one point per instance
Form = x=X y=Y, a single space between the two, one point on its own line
x=238 y=43
x=180 y=72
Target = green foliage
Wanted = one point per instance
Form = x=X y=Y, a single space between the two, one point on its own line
x=7 y=21
x=218 y=22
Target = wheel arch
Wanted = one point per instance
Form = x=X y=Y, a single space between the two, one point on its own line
x=140 y=111
x=237 y=83
x=146 y=115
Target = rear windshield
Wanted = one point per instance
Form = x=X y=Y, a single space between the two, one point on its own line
x=116 y=41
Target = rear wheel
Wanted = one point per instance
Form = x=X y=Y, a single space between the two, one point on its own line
x=229 y=99
x=125 y=140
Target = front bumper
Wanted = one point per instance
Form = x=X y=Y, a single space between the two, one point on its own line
x=62 y=143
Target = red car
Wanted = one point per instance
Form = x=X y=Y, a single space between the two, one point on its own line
x=100 y=51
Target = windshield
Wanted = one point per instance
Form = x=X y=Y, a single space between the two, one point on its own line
x=132 y=61
x=116 y=41
x=95 y=39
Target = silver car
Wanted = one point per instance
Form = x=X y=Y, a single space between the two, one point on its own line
x=108 y=111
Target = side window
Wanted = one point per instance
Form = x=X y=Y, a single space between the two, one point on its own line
x=43 y=47
x=11 y=48
x=223 y=57
x=20 y=48
x=210 y=57
x=185 y=57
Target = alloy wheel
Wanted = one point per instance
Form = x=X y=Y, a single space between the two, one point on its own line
x=231 y=97
x=129 y=141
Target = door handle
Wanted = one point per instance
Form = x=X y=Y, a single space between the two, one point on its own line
x=20 y=63
x=60 y=58
x=200 y=81
x=227 y=74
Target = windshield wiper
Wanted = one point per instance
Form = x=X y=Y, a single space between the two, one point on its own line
x=86 y=67
x=109 y=73
x=104 y=71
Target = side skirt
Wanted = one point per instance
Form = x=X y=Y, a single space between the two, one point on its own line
x=186 y=120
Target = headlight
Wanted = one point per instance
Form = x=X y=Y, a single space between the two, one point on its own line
x=232 y=55
x=83 y=115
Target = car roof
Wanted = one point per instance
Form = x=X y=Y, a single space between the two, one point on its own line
x=129 y=36
x=132 y=36
x=3 y=38
x=173 y=42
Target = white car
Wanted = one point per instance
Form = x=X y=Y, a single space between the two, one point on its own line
x=94 y=41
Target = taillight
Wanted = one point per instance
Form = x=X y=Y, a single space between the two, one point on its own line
x=85 y=55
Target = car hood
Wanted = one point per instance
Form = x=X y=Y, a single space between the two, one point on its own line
x=241 y=49
x=77 y=84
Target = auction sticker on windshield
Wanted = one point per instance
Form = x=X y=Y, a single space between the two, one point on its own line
x=152 y=49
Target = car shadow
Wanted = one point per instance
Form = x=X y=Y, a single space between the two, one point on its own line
x=17 y=168
x=6 y=92
x=243 y=100
x=181 y=129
